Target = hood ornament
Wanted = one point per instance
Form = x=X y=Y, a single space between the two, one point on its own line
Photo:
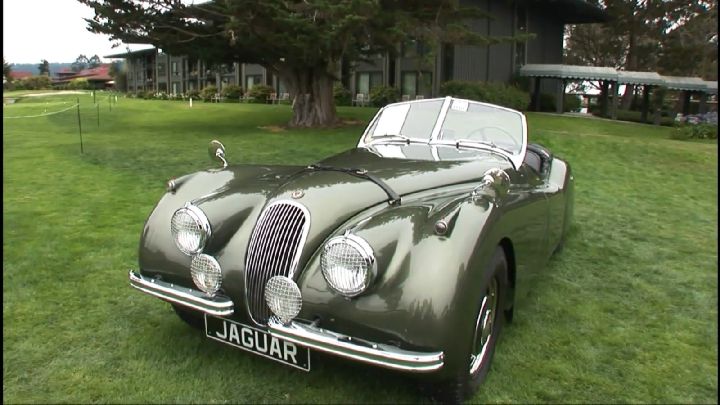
x=297 y=194
x=216 y=150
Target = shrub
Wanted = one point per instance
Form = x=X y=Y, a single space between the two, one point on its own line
x=79 y=84
x=34 y=83
x=261 y=93
x=571 y=102
x=341 y=94
x=194 y=94
x=208 y=93
x=488 y=92
x=140 y=94
x=381 y=96
x=161 y=95
x=695 y=131
x=232 y=92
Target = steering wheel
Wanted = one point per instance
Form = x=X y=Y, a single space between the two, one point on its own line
x=481 y=135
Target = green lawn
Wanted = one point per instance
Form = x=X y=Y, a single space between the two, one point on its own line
x=626 y=313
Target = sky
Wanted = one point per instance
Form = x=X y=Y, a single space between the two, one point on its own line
x=34 y=30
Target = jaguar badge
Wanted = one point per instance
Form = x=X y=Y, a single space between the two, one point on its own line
x=297 y=194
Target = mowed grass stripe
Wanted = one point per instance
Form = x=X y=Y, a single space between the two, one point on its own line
x=626 y=313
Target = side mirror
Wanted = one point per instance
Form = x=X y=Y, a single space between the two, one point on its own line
x=216 y=151
x=494 y=183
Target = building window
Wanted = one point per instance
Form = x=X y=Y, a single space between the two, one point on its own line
x=174 y=68
x=416 y=84
x=175 y=88
x=414 y=49
x=252 y=80
x=161 y=69
x=366 y=81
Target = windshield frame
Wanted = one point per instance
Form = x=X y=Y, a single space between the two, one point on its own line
x=515 y=159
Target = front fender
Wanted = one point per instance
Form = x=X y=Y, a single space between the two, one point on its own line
x=428 y=287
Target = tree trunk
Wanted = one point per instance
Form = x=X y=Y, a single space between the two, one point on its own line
x=631 y=64
x=311 y=92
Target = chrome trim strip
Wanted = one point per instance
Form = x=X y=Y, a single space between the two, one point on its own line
x=218 y=305
x=379 y=354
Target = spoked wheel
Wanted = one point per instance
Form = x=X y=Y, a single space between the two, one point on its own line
x=484 y=327
x=486 y=330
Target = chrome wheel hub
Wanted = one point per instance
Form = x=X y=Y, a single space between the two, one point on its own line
x=484 y=326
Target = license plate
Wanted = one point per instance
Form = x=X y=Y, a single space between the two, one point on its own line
x=257 y=341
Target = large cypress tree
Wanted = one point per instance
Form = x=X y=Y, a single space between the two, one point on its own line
x=304 y=42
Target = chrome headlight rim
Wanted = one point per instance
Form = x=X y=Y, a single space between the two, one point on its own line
x=201 y=221
x=363 y=248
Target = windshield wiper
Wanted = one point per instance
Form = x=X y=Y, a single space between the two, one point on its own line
x=392 y=136
x=467 y=143
x=393 y=197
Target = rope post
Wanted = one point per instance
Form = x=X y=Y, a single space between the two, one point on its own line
x=79 y=125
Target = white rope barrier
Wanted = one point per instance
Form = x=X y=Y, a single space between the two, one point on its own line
x=43 y=114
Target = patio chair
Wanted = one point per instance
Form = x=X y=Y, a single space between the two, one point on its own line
x=419 y=97
x=360 y=99
x=405 y=97
x=273 y=98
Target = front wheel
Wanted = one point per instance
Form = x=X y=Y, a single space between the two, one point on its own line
x=486 y=330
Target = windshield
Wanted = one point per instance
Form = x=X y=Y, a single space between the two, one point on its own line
x=451 y=121
x=406 y=120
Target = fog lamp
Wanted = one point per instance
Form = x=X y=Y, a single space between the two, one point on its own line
x=283 y=297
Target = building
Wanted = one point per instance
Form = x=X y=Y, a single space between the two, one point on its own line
x=97 y=77
x=410 y=71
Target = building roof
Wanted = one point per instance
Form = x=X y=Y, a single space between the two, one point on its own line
x=20 y=74
x=685 y=83
x=569 y=72
x=125 y=55
x=100 y=73
x=630 y=77
x=575 y=72
x=712 y=87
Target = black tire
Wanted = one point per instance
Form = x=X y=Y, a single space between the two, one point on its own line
x=190 y=317
x=467 y=381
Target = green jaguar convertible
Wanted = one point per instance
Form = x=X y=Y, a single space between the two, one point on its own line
x=404 y=252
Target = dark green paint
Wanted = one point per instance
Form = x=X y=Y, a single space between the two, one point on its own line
x=427 y=291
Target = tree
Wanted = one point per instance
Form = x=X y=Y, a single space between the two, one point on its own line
x=80 y=63
x=634 y=37
x=304 y=42
x=44 y=68
x=94 y=62
x=691 y=48
x=119 y=75
x=7 y=69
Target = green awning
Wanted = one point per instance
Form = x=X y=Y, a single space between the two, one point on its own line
x=648 y=78
x=712 y=87
x=569 y=72
x=686 y=83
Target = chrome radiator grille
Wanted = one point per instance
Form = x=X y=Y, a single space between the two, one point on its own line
x=274 y=250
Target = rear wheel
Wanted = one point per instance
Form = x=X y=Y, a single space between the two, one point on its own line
x=488 y=323
x=190 y=317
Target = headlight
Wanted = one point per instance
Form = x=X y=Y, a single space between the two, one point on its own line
x=348 y=264
x=190 y=229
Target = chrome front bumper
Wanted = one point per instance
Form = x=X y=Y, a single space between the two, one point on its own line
x=218 y=305
x=323 y=340
x=346 y=346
